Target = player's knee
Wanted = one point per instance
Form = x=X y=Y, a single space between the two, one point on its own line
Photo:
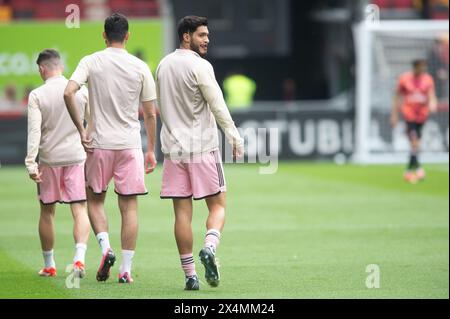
x=78 y=207
x=47 y=211
x=127 y=204
x=79 y=210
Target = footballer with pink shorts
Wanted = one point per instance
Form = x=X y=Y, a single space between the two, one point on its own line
x=118 y=84
x=59 y=175
x=190 y=102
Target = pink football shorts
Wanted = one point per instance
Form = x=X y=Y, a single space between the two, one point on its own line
x=199 y=177
x=126 y=166
x=63 y=184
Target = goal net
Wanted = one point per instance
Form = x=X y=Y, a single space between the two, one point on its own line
x=385 y=50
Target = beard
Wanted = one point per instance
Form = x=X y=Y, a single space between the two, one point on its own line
x=196 y=48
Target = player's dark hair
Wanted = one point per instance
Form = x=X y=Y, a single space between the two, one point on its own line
x=116 y=27
x=189 y=24
x=47 y=55
x=416 y=63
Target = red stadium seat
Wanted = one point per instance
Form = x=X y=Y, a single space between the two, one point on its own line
x=22 y=4
x=120 y=6
x=136 y=8
x=394 y=4
x=440 y=13
x=54 y=9
x=383 y=4
x=403 y=4
x=22 y=8
x=145 y=8
x=49 y=9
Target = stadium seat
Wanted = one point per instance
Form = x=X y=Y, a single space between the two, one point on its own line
x=394 y=4
x=54 y=9
x=137 y=8
x=403 y=4
x=145 y=8
x=22 y=9
x=440 y=12
x=49 y=9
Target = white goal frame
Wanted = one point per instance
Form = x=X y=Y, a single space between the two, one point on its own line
x=363 y=35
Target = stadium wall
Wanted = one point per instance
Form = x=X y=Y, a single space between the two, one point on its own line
x=286 y=134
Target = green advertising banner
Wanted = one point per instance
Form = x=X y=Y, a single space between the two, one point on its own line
x=20 y=43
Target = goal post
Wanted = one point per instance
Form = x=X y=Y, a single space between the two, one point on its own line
x=385 y=50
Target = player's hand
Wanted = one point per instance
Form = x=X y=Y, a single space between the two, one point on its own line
x=394 y=120
x=36 y=177
x=433 y=107
x=150 y=162
x=238 y=152
x=86 y=142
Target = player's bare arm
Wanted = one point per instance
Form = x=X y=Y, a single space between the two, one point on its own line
x=150 y=127
x=395 y=109
x=433 y=105
x=69 y=98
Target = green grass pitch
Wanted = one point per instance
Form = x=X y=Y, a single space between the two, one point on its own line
x=308 y=231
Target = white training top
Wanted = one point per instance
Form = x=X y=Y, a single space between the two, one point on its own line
x=117 y=83
x=190 y=102
x=51 y=132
